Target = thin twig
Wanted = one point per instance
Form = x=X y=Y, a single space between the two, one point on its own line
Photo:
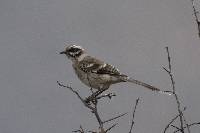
x=169 y=71
x=111 y=127
x=187 y=126
x=193 y=124
x=94 y=109
x=172 y=121
x=77 y=94
x=79 y=130
x=115 y=118
x=176 y=127
x=133 y=115
x=196 y=17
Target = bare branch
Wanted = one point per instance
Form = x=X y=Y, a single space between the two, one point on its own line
x=94 y=97
x=193 y=124
x=77 y=94
x=176 y=127
x=79 y=130
x=111 y=127
x=187 y=126
x=169 y=59
x=115 y=117
x=94 y=109
x=172 y=121
x=180 y=115
x=133 y=116
x=196 y=17
x=166 y=70
x=169 y=71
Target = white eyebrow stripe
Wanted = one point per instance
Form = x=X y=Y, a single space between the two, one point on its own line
x=76 y=46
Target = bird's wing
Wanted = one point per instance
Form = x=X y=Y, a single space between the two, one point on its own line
x=108 y=69
x=91 y=64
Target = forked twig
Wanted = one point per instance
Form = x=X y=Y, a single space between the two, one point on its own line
x=169 y=71
x=133 y=115
x=79 y=130
x=95 y=96
x=168 y=125
x=94 y=109
x=111 y=127
x=193 y=124
x=77 y=94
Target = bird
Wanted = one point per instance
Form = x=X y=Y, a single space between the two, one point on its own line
x=98 y=74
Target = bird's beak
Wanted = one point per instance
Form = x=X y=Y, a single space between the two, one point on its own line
x=63 y=52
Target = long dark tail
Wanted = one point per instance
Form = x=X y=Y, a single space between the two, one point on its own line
x=142 y=84
x=128 y=79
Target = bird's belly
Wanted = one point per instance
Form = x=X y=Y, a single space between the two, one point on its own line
x=93 y=80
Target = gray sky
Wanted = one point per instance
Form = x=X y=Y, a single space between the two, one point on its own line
x=130 y=34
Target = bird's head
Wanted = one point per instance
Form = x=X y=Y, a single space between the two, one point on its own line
x=73 y=52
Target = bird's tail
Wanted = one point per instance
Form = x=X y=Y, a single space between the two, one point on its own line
x=128 y=79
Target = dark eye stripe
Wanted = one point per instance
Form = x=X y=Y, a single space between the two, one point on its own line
x=74 y=49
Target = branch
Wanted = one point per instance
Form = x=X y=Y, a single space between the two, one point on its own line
x=77 y=94
x=79 y=130
x=94 y=97
x=172 y=121
x=94 y=109
x=189 y=125
x=169 y=71
x=133 y=115
x=111 y=127
x=115 y=117
x=196 y=17
x=176 y=127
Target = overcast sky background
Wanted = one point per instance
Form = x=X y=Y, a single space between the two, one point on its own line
x=130 y=34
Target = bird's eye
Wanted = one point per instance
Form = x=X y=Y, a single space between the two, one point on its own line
x=74 y=50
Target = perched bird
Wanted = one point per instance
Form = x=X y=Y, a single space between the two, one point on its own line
x=96 y=73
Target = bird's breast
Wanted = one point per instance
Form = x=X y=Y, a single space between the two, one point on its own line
x=93 y=80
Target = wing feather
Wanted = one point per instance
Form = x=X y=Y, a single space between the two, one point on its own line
x=91 y=64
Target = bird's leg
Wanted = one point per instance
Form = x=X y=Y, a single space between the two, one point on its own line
x=94 y=95
x=91 y=89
